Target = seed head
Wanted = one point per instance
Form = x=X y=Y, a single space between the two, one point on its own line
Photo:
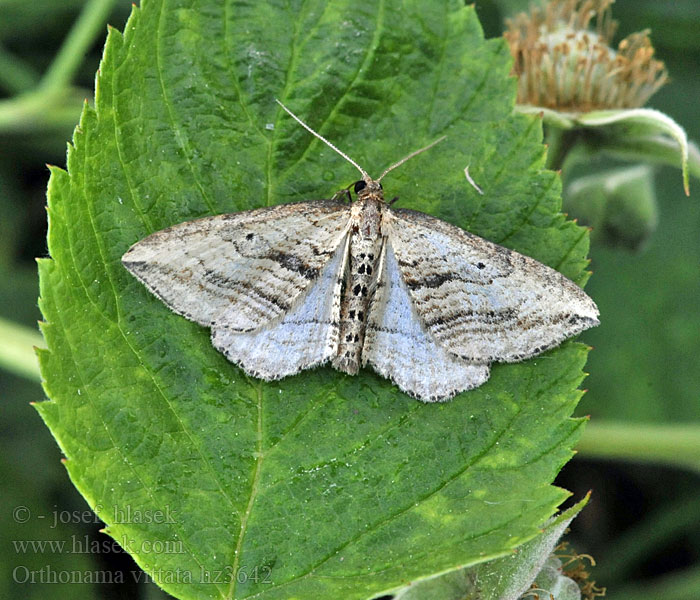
x=563 y=59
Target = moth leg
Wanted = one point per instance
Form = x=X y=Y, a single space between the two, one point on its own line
x=342 y=195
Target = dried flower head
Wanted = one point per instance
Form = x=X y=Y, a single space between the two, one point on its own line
x=564 y=61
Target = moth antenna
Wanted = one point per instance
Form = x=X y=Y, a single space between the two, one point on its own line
x=410 y=156
x=365 y=176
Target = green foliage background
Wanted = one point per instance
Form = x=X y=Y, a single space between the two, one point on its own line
x=639 y=373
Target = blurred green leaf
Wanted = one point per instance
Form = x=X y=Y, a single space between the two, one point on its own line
x=21 y=19
x=16 y=75
x=318 y=485
x=658 y=530
x=10 y=216
x=81 y=36
x=40 y=112
x=34 y=545
x=619 y=204
x=32 y=476
x=654 y=149
x=681 y=584
x=624 y=130
x=644 y=366
x=673 y=24
x=510 y=8
x=53 y=101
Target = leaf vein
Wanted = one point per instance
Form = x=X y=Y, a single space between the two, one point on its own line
x=369 y=56
x=115 y=445
x=180 y=139
x=404 y=510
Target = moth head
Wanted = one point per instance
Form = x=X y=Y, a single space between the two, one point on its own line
x=363 y=187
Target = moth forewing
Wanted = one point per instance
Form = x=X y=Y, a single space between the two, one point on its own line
x=243 y=270
x=481 y=301
x=398 y=346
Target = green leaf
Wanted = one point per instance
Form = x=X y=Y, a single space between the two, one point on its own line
x=626 y=128
x=506 y=578
x=319 y=485
x=638 y=134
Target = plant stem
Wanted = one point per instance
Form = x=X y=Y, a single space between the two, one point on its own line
x=53 y=102
x=72 y=52
x=16 y=76
x=676 y=445
x=36 y=111
x=17 y=344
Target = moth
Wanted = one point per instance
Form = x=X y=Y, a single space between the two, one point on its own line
x=423 y=302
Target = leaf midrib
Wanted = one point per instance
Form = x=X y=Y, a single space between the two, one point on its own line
x=259 y=456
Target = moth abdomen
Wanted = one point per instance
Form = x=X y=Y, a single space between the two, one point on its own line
x=365 y=247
